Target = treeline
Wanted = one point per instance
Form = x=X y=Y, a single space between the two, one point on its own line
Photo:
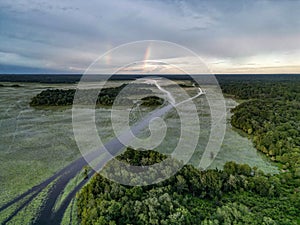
x=190 y=196
x=10 y=85
x=107 y=96
x=261 y=89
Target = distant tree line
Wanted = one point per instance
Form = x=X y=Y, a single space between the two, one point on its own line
x=286 y=90
x=10 y=85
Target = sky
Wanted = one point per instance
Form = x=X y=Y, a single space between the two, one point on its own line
x=66 y=36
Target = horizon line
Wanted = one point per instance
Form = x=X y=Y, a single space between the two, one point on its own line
x=80 y=74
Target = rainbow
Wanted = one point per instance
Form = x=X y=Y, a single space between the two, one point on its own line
x=107 y=57
x=147 y=56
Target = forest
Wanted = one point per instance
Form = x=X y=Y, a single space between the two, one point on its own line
x=271 y=118
x=269 y=114
x=237 y=194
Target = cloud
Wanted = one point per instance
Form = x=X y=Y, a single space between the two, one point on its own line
x=69 y=35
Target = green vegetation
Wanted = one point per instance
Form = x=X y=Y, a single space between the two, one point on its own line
x=141 y=158
x=60 y=97
x=53 y=98
x=187 y=85
x=237 y=195
x=69 y=187
x=274 y=127
x=12 y=85
x=286 y=90
x=70 y=215
x=271 y=118
x=30 y=211
x=152 y=101
x=107 y=96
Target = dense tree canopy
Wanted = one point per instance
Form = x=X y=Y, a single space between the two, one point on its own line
x=267 y=88
x=152 y=101
x=274 y=126
x=190 y=196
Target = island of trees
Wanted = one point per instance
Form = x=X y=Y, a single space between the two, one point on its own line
x=152 y=101
x=107 y=96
